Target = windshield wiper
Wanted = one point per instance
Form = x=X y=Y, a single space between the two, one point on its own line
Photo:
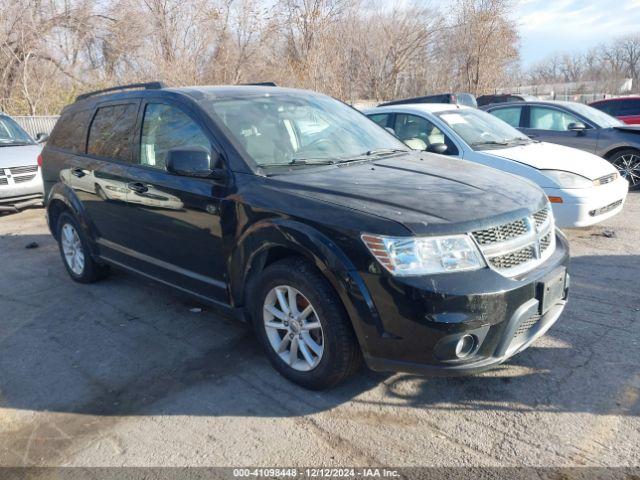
x=311 y=161
x=13 y=144
x=489 y=142
x=372 y=153
x=383 y=151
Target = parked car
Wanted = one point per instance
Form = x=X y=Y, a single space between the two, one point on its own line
x=504 y=97
x=579 y=126
x=20 y=179
x=301 y=215
x=583 y=188
x=455 y=98
x=626 y=109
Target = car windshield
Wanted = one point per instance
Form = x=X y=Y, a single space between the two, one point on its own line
x=288 y=129
x=12 y=134
x=601 y=119
x=481 y=130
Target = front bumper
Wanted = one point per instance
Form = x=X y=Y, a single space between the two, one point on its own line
x=582 y=207
x=421 y=319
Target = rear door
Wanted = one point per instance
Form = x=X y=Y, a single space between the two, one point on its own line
x=173 y=223
x=550 y=124
x=99 y=177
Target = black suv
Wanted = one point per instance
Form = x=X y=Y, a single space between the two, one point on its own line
x=294 y=211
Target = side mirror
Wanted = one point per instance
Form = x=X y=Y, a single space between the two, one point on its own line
x=440 y=148
x=41 y=137
x=194 y=162
x=577 y=127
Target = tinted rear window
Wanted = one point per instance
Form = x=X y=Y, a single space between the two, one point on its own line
x=629 y=107
x=111 y=131
x=70 y=132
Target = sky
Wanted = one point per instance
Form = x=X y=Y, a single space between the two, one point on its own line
x=551 y=26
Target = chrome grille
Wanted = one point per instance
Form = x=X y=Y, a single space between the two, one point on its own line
x=541 y=216
x=24 y=178
x=518 y=246
x=545 y=242
x=526 y=325
x=513 y=259
x=500 y=233
x=606 y=179
x=25 y=169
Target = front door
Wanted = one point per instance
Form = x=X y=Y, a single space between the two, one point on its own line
x=174 y=222
x=549 y=124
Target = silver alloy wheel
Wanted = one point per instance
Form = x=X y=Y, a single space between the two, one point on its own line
x=629 y=167
x=293 y=328
x=72 y=249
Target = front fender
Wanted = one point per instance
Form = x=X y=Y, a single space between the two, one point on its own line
x=254 y=245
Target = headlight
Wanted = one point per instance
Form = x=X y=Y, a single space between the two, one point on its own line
x=567 y=179
x=404 y=256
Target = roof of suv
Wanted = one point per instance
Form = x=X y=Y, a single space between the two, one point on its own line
x=195 y=92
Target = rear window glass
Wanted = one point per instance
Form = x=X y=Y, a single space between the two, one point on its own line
x=70 y=132
x=111 y=131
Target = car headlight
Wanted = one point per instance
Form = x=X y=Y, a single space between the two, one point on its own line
x=568 y=179
x=404 y=256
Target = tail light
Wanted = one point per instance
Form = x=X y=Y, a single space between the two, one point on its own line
x=40 y=160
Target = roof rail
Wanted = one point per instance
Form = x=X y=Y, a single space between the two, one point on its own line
x=261 y=84
x=131 y=86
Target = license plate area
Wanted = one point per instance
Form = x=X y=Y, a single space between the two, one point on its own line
x=551 y=289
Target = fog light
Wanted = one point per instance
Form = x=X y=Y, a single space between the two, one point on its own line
x=465 y=346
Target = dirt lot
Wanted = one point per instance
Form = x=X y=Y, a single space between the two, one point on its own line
x=123 y=373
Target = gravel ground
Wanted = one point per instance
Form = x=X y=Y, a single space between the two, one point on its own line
x=124 y=373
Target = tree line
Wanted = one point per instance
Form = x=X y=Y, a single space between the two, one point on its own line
x=52 y=50
x=607 y=66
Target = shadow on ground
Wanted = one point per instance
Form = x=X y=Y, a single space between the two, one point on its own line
x=126 y=346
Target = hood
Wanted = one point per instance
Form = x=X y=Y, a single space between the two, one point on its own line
x=629 y=128
x=426 y=193
x=549 y=156
x=19 y=156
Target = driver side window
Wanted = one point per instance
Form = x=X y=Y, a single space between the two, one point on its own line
x=542 y=118
x=165 y=127
x=417 y=131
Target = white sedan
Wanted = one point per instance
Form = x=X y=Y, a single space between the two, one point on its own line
x=584 y=189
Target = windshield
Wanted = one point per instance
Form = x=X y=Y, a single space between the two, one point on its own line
x=596 y=116
x=288 y=129
x=481 y=130
x=12 y=134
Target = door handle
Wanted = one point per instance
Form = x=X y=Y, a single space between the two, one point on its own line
x=78 y=172
x=137 y=187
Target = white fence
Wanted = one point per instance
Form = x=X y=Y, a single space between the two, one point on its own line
x=37 y=124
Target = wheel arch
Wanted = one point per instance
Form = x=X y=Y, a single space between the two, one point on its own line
x=62 y=199
x=268 y=242
x=610 y=153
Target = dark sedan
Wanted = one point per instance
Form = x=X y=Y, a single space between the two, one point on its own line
x=580 y=126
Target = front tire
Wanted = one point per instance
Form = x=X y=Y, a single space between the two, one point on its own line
x=74 y=249
x=628 y=164
x=303 y=326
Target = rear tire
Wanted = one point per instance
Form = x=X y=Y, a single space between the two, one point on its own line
x=318 y=350
x=75 y=252
x=628 y=164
